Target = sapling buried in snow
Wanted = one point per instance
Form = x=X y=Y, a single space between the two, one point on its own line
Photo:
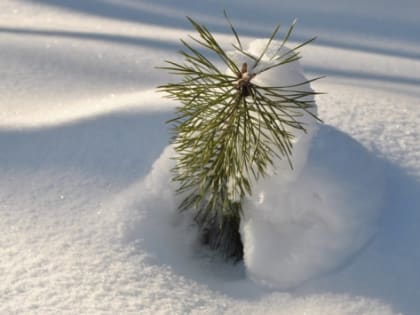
x=231 y=127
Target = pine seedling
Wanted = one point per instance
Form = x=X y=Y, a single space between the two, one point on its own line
x=228 y=131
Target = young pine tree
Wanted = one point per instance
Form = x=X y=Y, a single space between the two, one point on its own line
x=228 y=130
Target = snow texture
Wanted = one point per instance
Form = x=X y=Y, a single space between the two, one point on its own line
x=87 y=214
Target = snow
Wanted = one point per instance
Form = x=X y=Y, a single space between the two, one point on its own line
x=86 y=210
x=298 y=229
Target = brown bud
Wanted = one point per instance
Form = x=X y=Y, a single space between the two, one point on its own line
x=244 y=67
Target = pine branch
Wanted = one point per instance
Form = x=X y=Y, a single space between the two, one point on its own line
x=229 y=131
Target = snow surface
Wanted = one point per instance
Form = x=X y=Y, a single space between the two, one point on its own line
x=85 y=228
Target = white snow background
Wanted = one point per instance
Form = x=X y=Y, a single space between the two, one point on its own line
x=87 y=221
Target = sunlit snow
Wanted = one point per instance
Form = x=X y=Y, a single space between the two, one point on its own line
x=87 y=211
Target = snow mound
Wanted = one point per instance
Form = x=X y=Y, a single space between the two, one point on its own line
x=292 y=230
x=303 y=222
x=296 y=230
x=152 y=220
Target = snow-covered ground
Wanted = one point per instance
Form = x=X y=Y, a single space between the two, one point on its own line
x=86 y=223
